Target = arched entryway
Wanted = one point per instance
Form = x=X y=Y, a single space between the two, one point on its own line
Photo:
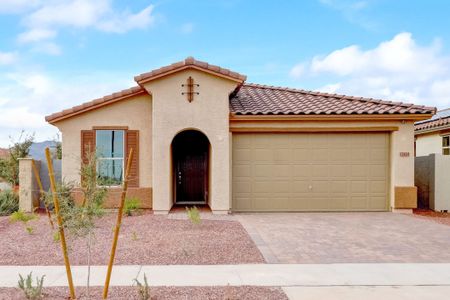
x=190 y=160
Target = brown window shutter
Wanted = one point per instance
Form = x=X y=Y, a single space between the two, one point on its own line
x=87 y=144
x=132 y=141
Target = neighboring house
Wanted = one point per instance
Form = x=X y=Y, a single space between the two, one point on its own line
x=432 y=163
x=201 y=135
x=4 y=185
x=433 y=135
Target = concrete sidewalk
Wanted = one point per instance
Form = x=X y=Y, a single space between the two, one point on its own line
x=282 y=275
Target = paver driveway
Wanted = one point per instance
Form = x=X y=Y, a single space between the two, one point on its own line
x=347 y=237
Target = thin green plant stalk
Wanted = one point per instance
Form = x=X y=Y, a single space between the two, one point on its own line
x=51 y=174
x=118 y=224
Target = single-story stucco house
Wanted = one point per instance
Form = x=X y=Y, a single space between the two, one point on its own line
x=202 y=135
x=433 y=135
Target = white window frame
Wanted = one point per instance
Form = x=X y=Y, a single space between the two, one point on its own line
x=113 y=158
x=445 y=147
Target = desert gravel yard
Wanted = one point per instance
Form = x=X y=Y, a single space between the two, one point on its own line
x=145 y=239
x=161 y=293
x=434 y=216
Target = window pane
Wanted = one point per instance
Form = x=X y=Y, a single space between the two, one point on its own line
x=109 y=143
x=446 y=151
x=110 y=171
x=445 y=141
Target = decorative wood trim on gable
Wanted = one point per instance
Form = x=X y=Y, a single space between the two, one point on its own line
x=312 y=129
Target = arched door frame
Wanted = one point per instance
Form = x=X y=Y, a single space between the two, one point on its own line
x=190 y=161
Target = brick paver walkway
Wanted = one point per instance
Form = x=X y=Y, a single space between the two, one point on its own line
x=347 y=238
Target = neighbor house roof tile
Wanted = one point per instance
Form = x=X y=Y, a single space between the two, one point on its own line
x=255 y=99
x=439 y=121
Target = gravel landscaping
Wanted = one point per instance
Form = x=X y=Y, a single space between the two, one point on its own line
x=438 y=217
x=144 y=239
x=157 y=293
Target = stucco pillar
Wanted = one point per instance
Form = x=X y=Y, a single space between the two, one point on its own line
x=402 y=167
x=28 y=189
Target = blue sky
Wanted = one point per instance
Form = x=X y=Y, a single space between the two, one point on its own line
x=58 y=53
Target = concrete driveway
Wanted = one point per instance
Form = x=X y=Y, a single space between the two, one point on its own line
x=347 y=237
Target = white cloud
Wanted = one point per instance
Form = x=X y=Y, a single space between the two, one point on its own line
x=7 y=58
x=127 y=21
x=45 y=21
x=36 y=35
x=187 y=28
x=353 y=11
x=27 y=97
x=397 y=69
x=47 y=48
x=75 y=13
x=297 y=71
x=17 y=6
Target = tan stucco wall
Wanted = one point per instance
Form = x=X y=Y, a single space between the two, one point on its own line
x=402 y=140
x=428 y=144
x=208 y=113
x=135 y=112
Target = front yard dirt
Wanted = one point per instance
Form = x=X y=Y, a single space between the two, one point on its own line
x=145 y=239
x=159 y=293
x=439 y=217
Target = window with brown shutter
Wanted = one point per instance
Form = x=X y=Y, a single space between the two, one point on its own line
x=132 y=141
x=88 y=144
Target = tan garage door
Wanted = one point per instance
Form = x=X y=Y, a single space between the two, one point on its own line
x=310 y=172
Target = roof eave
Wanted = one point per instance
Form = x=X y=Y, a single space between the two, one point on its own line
x=141 y=80
x=60 y=116
x=331 y=117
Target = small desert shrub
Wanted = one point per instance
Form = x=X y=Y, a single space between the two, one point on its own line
x=193 y=215
x=131 y=205
x=143 y=289
x=20 y=216
x=9 y=202
x=26 y=285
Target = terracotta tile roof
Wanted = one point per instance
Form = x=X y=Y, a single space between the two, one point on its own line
x=90 y=105
x=189 y=62
x=437 y=122
x=254 y=99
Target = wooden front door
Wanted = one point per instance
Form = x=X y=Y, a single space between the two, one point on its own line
x=190 y=153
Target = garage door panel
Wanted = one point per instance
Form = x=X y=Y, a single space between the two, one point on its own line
x=262 y=155
x=358 y=171
x=282 y=155
x=359 y=203
x=242 y=155
x=377 y=171
x=301 y=155
x=301 y=186
x=340 y=171
x=339 y=155
x=339 y=186
x=378 y=155
x=320 y=156
x=319 y=172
